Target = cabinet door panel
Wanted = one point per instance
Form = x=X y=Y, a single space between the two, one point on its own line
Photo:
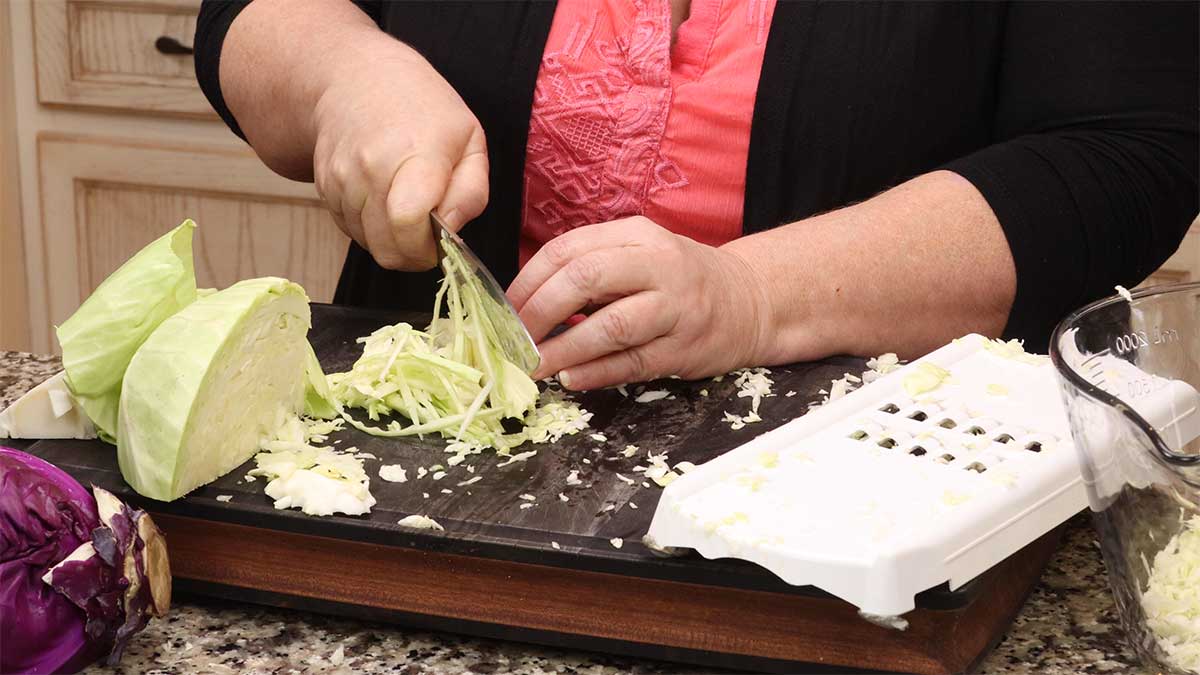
x=103 y=199
x=130 y=55
x=239 y=237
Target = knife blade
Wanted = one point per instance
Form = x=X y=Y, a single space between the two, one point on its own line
x=514 y=339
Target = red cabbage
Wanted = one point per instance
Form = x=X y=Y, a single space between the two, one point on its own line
x=78 y=575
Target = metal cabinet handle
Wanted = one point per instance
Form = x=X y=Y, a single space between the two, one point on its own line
x=171 y=46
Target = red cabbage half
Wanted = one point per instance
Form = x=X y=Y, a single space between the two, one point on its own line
x=78 y=575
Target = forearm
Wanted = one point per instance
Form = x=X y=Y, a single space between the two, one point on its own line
x=905 y=272
x=277 y=62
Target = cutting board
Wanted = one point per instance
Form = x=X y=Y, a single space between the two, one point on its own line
x=495 y=570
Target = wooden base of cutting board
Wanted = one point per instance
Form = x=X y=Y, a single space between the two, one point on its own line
x=544 y=570
x=709 y=625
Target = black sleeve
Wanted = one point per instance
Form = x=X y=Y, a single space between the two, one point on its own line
x=211 y=26
x=1093 y=173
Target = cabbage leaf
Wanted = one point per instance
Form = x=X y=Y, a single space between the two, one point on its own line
x=99 y=340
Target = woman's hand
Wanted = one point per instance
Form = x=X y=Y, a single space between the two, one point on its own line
x=659 y=303
x=383 y=135
x=393 y=142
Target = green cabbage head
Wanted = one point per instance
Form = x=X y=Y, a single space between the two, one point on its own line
x=210 y=382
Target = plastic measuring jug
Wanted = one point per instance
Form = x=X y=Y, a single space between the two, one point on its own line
x=1129 y=371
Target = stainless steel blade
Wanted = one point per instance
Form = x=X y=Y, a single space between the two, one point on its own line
x=515 y=341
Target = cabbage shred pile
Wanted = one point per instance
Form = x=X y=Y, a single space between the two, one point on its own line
x=303 y=473
x=1171 y=600
x=451 y=379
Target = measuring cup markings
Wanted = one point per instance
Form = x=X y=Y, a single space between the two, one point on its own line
x=1145 y=386
x=1138 y=339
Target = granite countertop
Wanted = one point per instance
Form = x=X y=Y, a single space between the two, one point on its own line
x=1068 y=625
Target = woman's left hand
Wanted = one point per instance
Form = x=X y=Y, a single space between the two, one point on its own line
x=658 y=304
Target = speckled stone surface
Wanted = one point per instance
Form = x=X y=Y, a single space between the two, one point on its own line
x=1068 y=625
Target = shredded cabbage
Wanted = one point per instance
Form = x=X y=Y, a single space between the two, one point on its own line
x=420 y=522
x=1172 y=598
x=393 y=473
x=652 y=395
x=1014 y=349
x=660 y=471
x=881 y=365
x=876 y=368
x=754 y=384
x=318 y=480
x=925 y=378
x=885 y=621
x=451 y=379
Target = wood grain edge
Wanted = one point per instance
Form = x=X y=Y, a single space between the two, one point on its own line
x=134 y=108
x=596 y=605
x=193 y=590
x=14 y=303
x=230 y=149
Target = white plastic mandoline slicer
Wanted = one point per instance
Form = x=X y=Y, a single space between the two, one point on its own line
x=930 y=474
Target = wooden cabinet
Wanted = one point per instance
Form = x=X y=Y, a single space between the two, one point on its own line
x=117 y=145
x=14 y=312
x=129 y=55
x=103 y=199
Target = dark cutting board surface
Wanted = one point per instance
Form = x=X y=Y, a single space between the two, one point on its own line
x=485 y=518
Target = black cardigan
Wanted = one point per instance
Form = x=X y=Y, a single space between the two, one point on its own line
x=1077 y=123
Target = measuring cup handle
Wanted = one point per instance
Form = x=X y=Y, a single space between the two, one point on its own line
x=1170 y=456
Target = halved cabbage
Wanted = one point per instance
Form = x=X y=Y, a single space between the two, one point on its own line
x=100 y=338
x=210 y=382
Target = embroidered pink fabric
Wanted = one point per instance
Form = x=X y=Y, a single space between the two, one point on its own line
x=625 y=123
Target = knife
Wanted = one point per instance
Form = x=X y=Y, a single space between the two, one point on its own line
x=514 y=339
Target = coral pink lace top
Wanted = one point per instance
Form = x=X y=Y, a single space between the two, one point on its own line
x=625 y=123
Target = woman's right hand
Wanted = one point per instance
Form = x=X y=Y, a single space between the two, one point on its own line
x=393 y=142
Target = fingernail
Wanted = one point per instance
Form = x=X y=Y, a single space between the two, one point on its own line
x=564 y=379
x=451 y=219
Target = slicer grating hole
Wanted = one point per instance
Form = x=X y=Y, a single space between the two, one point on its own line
x=858 y=434
x=977 y=467
x=976 y=431
x=890 y=408
x=918 y=416
x=916 y=451
x=1003 y=438
x=887 y=443
x=1034 y=447
x=947 y=423
x=946 y=458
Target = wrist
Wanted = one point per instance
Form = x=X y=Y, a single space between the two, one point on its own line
x=794 y=298
x=752 y=309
